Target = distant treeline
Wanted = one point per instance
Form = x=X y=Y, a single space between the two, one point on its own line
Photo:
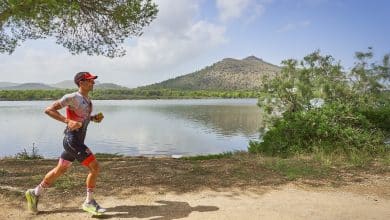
x=115 y=94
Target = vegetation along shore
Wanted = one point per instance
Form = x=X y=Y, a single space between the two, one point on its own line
x=323 y=125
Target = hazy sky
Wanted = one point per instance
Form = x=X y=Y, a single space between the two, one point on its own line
x=191 y=34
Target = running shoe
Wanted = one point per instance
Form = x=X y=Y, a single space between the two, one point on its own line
x=32 y=200
x=93 y=207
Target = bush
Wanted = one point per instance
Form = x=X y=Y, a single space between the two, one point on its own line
x=380 y=117
x=24 y=155
x=334 y=128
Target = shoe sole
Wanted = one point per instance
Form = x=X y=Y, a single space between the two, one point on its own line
x=30 y=202
x=92 y=212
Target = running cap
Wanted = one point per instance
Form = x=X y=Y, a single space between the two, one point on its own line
x=83 y=76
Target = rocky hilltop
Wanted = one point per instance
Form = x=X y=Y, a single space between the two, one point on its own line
x=227 y=74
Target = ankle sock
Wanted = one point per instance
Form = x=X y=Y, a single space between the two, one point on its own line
x=89 y=194
x=41 y=188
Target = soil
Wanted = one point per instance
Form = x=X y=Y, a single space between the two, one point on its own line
x=228 y=188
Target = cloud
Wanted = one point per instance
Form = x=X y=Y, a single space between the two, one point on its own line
x=294 y=26
x=157 y=54
x=258 y=10
x=175 y=37
x=235 y=9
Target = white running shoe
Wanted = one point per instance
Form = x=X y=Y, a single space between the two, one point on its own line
x=93 y=207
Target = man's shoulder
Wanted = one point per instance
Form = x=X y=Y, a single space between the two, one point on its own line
x=73 y=94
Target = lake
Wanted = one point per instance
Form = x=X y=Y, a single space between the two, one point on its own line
x=137 y=127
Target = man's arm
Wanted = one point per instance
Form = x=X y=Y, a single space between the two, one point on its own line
x=53 y=112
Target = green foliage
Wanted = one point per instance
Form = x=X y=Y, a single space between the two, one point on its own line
x=107 y=155
x=353 y=120
x=370 y=79
x=3 y=172
x=24 y=155
x=294 y=168
x=210 y=156
x=385 y=160
x=316 y=77
x=333 y=128
x=379 y=116
x=118 y=94
x=21 y=95
x=94 y=27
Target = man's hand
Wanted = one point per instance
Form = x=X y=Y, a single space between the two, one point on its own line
x=98 y=117
x=73 y=125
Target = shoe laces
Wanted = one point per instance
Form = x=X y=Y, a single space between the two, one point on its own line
x=94 y=203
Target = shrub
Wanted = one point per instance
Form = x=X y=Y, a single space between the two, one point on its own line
x=24 y=155
x=334 y=128
x=380 y=117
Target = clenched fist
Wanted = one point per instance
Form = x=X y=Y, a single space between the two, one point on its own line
x=98 y=117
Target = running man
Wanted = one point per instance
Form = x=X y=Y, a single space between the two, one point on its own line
x=78 y=115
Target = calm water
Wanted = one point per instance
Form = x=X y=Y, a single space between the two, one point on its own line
x=137 y=127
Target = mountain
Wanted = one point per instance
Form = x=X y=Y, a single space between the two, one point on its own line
x=108 y=86
x=7 y=84
x=67 y=84
x=30 y=86
x=227 y=74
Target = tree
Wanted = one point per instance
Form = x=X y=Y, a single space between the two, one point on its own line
x=301 y=84
x=370 y=80
x=353 y=119
x=95 y=27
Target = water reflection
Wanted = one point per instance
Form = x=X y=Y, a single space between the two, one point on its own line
x=225 y=117
x=224 y=120
x=141 y=127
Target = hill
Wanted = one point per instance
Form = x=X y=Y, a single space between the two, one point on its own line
x=109 y=86
x=7 y=84
x=227 y=74
x=67 y=84
x=29 y=86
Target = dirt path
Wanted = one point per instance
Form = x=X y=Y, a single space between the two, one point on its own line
x=238 y=187
x=290 y=201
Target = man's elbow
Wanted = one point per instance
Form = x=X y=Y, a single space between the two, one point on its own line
x=48 y=110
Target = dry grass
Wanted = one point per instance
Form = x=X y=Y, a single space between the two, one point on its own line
x=239 y=170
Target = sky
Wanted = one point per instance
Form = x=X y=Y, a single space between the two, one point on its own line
x=188 y=35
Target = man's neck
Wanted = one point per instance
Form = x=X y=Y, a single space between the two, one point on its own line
x=83 y=92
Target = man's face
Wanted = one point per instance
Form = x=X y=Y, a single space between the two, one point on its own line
x=87 y=84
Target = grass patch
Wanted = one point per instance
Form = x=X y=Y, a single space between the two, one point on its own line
x=67 y=182
x=355 y=158
x=359 y=159
x=211 y=156
x=107 y=155
x=297 y=168
x=198 y=170
x=385 y=160
x=3 y=172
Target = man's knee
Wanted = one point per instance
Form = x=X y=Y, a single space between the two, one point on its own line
x=55 y=173
x=94 y=167
x=61 y=169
